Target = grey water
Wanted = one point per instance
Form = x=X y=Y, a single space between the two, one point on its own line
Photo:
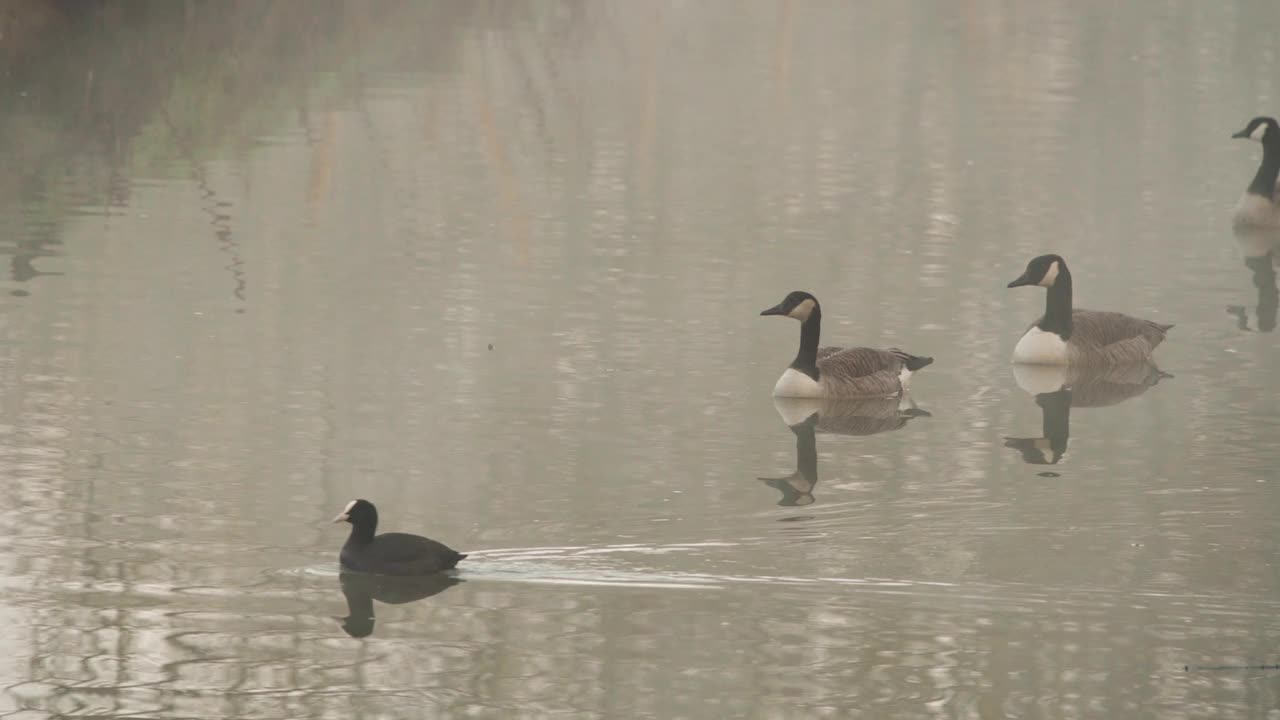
x=497 y=267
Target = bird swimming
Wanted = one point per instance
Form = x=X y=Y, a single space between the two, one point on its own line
x=834 y=372
x=1258 y=207
x=1071 y=336
x=389 y=553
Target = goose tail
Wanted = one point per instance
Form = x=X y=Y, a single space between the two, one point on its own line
x=912 y=362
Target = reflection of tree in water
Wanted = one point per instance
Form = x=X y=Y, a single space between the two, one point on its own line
x=217 y=210
x=92 y=82
x=37 y=241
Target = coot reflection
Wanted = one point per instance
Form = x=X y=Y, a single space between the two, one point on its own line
x=361 y=589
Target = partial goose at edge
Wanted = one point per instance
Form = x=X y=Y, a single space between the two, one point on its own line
x=1258 y=208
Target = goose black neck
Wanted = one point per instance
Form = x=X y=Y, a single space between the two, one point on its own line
x=807 y=359
x=1057 y=305
x=1264 y=182
x=361 y=533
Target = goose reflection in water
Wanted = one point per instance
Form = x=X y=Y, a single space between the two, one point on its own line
x=807 y=417
x=1262 y=267
x=1057 y=390
x=361 y=590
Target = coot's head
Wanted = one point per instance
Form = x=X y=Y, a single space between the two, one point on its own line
x=358 y=513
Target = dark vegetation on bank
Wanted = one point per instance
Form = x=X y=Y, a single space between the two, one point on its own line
x=98 y=73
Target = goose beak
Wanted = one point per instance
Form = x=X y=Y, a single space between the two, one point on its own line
x=1021 y=281
x=341 y=517
x=775 y=310
x=1242 y=135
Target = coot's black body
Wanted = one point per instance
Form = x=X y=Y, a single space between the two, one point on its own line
x=389 y=553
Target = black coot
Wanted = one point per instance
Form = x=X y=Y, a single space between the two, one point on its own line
x=389 y=553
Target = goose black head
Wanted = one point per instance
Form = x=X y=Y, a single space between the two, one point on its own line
x=358 y=512
x=1042 y=271
x=1263 y=129
x=799 y=305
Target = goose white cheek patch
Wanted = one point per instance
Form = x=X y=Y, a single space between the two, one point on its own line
x=1050 y=276
x=801 y=311
x=1258 y=132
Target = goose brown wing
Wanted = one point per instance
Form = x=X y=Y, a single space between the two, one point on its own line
x=1119 y=337
x=861 y=372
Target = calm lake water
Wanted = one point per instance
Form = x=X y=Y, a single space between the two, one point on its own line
x=497 y=267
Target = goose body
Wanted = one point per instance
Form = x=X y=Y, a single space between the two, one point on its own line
x=1076 y=337
x=836 y=372
x=1258 y=207
x=1254 y=212
x=389 y=553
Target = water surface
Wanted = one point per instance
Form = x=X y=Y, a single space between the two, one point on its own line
x=498 y=268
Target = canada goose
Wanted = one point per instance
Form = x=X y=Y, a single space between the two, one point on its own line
x=834 y=372
x=1063 y=336
x=389 y=553
x=807 y=416
x=1058 y=389
x=1258 y=207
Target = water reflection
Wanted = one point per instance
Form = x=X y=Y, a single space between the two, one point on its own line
x=1262 y=268
x=217 y=209
x=806 y=417
x=361 y=589
x=22 y=263
x=592 y=188
x=1058 y=389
